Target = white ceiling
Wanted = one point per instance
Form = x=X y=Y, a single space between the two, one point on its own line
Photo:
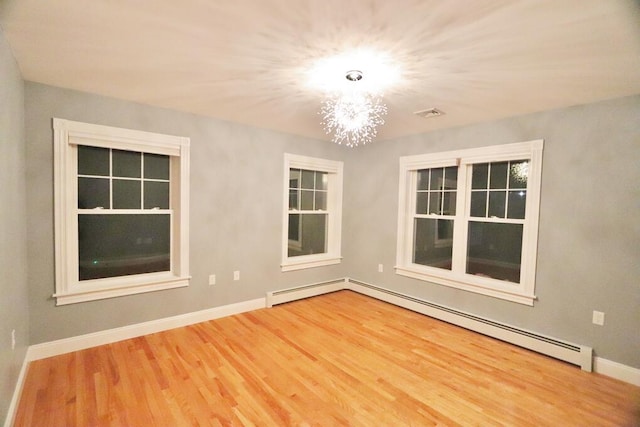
x=247 y=61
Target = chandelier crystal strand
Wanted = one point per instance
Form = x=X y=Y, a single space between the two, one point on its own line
x=353 y=117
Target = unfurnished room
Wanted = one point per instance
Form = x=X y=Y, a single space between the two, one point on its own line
x=320 y=213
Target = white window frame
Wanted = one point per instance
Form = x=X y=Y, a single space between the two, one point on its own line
x=523 y=292
x=334 y=170
x=67 y=136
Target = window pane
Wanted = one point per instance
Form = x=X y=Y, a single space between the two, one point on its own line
x=499 y=175
x=322 y=180
x=294 y=229
x=479 y=177
x=126 y=194
x=517 y=204
x=294 y=178
x=479 y=203
x=434 y=203
x=321 y=200
x=494 y=250
x=432 y=242
x=127 y=164
x=156 y=166
x=93 y=161
x=451 y=178
x=422 y=200
x=93 y=193
x=518 y=174
x=497 y=203
x=437 y=179
x=449 y=207
x=308 y=179
x=307 y=234
x=294 y=198
x=156 y=195
x=307 y=200
x=423 y=179
x=121 y=245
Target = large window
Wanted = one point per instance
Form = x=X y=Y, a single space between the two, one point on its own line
x=312 y=212
x=469 y=219
x=121 y=211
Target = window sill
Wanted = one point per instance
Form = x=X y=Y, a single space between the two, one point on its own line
x=83 y=295
x=309 y=262
x=478 y=286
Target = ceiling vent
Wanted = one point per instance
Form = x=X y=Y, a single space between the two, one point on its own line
x=429 y=112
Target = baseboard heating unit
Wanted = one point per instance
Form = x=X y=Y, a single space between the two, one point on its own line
x=573 y=353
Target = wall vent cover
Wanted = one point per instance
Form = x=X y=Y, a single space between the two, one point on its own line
x=429 y=112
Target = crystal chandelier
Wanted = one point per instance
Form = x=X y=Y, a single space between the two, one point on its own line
x=352 y=115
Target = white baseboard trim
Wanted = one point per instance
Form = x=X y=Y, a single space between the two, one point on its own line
x=17 y=392
x=569 y=352
x=601 y=366
x=40 y=351
x=81 y=342
x=306 y=291
x=617 y=370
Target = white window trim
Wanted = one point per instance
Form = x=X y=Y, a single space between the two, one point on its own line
x=334 y=208
x=524 y=292
x=67 y=135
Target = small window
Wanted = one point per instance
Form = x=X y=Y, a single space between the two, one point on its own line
x=121 y=211
x=313 y=200
x=469 y=219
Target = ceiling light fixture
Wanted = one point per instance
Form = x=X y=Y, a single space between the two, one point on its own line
x=354 y=75
x=353 y=115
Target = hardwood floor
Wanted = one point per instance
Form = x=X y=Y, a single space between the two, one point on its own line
x=337 y=359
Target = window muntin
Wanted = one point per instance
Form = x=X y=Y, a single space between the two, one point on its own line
x=312 y=213
x=499 y=189
x=308 y=217
x=121 y=211
x=117 y=233
x=486 y=240
x=119 y=179
x=433 y=219
x=497 y=206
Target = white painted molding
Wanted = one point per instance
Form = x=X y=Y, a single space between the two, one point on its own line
x=576 y=354
x=306 y=291
x=17 y=392
x=53 y=348
x=68 y=135
x=457 y=277
x=617 y=370
x=81 y=342
x=332 y=255
x=601 y=366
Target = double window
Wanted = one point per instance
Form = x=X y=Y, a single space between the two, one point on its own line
x=312 y=212
x=469 y=219
x=121 y=211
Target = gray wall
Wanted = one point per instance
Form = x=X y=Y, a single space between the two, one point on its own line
x=589 y=236
x=589 y=232
x=235 y=212
x=14 y=310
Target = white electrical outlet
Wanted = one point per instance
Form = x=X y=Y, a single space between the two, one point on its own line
x=598 y=318
x=212 y=279
x=13 y=339
x=380 y=268
x=236 y=275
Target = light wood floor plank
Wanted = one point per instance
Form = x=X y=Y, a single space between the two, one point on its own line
x=336 y=359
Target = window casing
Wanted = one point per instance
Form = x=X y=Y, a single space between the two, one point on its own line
x=469 y=219
x=312 y=212
x=121 y=211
